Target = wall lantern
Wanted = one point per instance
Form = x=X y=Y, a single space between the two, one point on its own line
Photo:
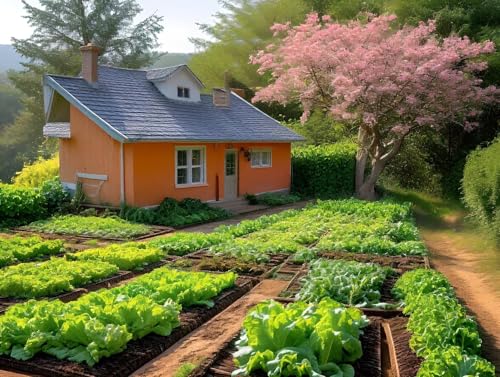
x=246 y=153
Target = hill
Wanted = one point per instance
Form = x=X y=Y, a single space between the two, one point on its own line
x=10 y=58
x=172 y=58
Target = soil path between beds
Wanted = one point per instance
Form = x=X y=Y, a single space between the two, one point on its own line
x=207 y=340
x=474 y=287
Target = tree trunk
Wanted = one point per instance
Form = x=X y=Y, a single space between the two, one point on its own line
x=380 y=158
x=361 y=158
x=367 y=189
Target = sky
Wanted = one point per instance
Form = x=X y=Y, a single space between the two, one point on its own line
x=179 y=20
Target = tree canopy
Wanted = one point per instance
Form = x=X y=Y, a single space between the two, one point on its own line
x=387 y=84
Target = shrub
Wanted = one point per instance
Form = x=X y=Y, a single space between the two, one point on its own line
x=324 y=171
x=20 y=205
x=35 y=174
x=173 y=213
x=481 y=186
x=56 y=197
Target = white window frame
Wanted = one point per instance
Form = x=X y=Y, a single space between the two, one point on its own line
x=190 y=166
x=260 y=165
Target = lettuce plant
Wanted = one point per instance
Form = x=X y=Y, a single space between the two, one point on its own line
x=300 y=340
x=348 y=282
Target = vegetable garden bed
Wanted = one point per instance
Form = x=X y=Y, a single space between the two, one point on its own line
x=370 y=364
x=374 y=283
x=205 y=261
x=403 y=263
x=78 y=229
x=138 y=352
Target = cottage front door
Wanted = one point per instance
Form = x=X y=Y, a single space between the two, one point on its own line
x=230 y=175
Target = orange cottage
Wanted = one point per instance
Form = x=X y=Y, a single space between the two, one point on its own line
x=136 y=137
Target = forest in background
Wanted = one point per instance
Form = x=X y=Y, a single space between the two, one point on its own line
x=429 y=161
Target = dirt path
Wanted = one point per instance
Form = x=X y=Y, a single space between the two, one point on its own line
x=204 y=342
x=474 y=286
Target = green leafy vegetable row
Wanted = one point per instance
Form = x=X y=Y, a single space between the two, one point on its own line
x=300 y=340
x=342 y=225
x=93 y=226
x=55 y=276
x=348 y=282
x=59 y=275
x=21 y=249
x=127 y=256
x=442 y=332
x=182 y=243
x=100 y=324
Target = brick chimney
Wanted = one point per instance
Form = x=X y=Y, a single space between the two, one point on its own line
x=222 y=97
x=90 y=53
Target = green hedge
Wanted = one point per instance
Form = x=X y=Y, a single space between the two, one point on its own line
x=481 y=186
x=22 y=205
x=325 y=171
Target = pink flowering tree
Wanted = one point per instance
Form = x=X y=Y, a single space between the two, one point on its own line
x=386 y=83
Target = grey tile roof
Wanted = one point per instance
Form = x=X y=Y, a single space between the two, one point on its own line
x=161 y=73
x=134 y=110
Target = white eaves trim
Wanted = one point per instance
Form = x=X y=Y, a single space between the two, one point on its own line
x=96 y=177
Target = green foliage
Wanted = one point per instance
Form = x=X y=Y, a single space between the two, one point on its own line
x=241 y=30
x=300 y=340
x=453 y=363
x=95 y=326
x=334 y=225
x=324 y=171
x=10 y=104
x=174 y=213
x=413 y=167
x=20 y=205
x=185 y=370
x=276 y=199
x=345 y=9
x=348 y=282
x=249 y=226
x=127 y=256
x=38 y=172
x=442 y=332
x=100 y=324
x=57 y=199
x=421 y=282
x=22 y=249
x=107 y=227
x=185 y=288
x=41 y=279
x=320 y=129
x=181 y=243
x=481 y=186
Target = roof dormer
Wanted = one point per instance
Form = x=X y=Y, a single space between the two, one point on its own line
x=178 y=82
